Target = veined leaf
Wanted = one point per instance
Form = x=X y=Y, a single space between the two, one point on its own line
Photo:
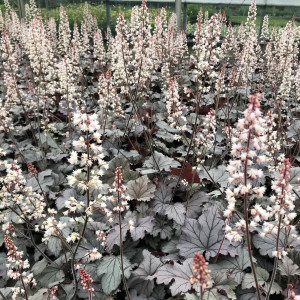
x=234 y=265
x=147 y=267
x=141 y=189
x=204 y=235
x=181 y=275
x=110 y=268
x=160 y=162
x=288 y=268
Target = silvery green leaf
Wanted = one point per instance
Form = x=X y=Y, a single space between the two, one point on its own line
x=288 y=268
x=211 y=294
x=69 y=289
x=40 y=295
x=113 y=236
x=39 y=267
x=293 y=129
x=160 y=162
x=294 y=177
x=141 y=227
x=267 y=244
x=92 y=269
x=54 y=245
x=32 y=154
x=276 y=289
x=175 y=212
x=191 y=297
x=52 y=275
x=195 y=203
x=118 y=161
x=166 y=136
x=141 y=189
x=235 y=265
x=132 y=155
x=165 y=126
x=220 y=282
x=147 y=267
x=247 y=294
x=161 y=228
x=177 y=272
x=170 y=246
x=144 y=210
x=110 y=268
x=45 y=181
x=262 y=278
x=204 y=235
x=162 y=197
x=219 y=175
x=3 y=262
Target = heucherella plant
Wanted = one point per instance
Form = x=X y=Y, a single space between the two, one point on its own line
x=145 y=162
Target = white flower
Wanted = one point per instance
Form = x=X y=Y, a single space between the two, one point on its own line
x=73 y=160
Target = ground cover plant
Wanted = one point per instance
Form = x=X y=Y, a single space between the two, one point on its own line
x=133 y=167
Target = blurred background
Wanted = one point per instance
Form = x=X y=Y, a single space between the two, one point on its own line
x=108 y=11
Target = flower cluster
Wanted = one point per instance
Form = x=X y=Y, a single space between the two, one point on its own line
x=28 y=204
x=205 y=138
x=248 y=145
x=201 y=272
x=283 y=207
x=16 y=266
x=174 y=108
x=86 y=280
x=85 y=154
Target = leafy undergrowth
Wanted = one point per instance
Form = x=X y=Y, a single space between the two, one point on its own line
x=135 y=168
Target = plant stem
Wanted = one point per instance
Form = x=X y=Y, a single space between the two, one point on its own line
x=277 y=243
x=22 y=281
x=86 y=218
x=247 y=219
x=121 y=246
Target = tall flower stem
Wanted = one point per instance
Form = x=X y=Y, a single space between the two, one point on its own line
x=247 y=219
x=285 y=176
x=121 y=240
x=23 y=284
x=86 y=218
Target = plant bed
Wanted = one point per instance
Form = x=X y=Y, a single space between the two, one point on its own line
x=141 y=168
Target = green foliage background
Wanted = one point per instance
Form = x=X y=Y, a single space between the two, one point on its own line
x=278 y=16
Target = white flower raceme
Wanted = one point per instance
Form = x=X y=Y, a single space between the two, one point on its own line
x=52 y=227
x=15 y=193
x=282 y=207
x=249 y=138
x=16 y=265
x=175 y=109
